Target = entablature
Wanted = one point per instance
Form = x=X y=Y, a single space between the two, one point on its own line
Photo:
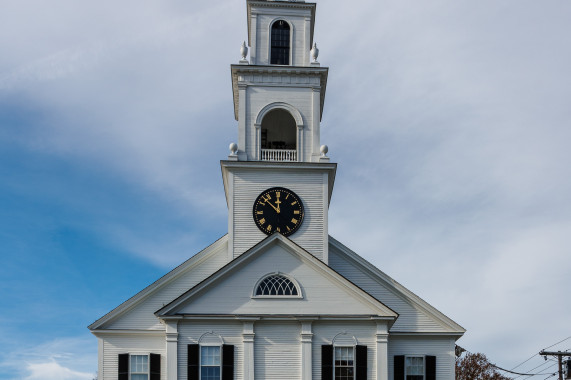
x=283 y=76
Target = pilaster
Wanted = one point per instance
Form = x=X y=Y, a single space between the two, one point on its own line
x=248 y=342
x=306 y=348
x=242 y=154
x=172 y=348
x=382 y=361
x=315 y=133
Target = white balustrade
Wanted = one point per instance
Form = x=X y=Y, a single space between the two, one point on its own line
x=279 y=155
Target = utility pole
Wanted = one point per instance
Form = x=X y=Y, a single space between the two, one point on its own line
x=560 y=356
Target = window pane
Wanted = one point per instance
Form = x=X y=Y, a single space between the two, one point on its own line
x=210 y=373
x=210 y=356
x=139 y=363
x=414 y=367
x=139 y=377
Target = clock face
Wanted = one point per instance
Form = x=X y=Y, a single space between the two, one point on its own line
x=278 y=210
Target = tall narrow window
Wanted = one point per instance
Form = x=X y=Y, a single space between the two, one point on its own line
x=414 y=367
x=279 y=54
x=210 y=363
x=344 y=363
x=139 y=367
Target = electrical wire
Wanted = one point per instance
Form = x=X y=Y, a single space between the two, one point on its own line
x=541 y=365
x=534 y=355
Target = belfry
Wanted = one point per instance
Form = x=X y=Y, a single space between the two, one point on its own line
x=277 y=297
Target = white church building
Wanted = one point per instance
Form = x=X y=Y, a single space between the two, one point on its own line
x=277 y=298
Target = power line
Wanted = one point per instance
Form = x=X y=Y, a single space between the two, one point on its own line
x=536 y=354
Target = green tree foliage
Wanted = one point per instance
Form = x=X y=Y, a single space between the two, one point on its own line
x=476 y=367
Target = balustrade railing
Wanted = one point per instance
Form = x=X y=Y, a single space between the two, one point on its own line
x=279 y=155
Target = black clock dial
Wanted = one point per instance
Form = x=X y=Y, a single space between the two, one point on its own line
x=278 y=210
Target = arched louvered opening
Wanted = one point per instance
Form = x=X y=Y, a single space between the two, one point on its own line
x=280 y=41
x=278 y=136
x=277 y=285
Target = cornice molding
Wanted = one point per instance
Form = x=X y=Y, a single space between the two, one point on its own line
x=228 y=166
x=257 y=75
x=281 y=4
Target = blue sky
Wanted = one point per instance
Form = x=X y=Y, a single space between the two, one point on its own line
x=450 y=121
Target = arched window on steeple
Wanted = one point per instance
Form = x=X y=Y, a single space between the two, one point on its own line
x=280 y=43
x=278 y=136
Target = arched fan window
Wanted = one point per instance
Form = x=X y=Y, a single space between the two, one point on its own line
x=277 y=285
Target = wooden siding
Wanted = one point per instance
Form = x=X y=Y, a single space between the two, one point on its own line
x=113 y=345
x=248 y=184
x=277 y=350
x=191 y=331
x=411 y=318
x=364 y=332
x=141 y=316
x=233 y=294
x=441 y=347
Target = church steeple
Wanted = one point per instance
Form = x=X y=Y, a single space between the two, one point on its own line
x=279 y=93
x=278 y=163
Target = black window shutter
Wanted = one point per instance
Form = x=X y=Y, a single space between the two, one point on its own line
x=155 y=366
x=361 y=362
x=123 y=367
x=327 y=362
x=430 y=362
x=192 y=363
x=227 y=362
x=399 y=367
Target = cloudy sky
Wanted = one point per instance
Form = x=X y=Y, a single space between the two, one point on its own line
x=449 y=119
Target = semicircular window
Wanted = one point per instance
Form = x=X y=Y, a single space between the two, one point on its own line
x=276 y=285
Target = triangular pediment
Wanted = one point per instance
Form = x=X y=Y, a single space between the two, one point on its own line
x=323 y=292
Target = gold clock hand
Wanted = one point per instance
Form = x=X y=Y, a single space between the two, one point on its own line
x=278 y=204
x=274 y=207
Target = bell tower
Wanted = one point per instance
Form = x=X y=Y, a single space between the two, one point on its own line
x=278 y=94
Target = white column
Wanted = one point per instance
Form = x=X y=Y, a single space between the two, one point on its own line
x=316 y=108
x=307 y=41
x=248 y=341
x=253 y=38
x=306 y=347
x=382 y=351
x=242 y=107
x=300 y=143
x=172 y=349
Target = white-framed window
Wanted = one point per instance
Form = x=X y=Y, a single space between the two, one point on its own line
x=277 y=285
x=414 y=367
x=344 y=363
x=139 y=367
x=210 y=363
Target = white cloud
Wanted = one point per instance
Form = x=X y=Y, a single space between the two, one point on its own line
x=58 y=359
x=54 y=371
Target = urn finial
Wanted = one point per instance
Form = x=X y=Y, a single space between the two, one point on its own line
x=244 y=51
x=314 y=52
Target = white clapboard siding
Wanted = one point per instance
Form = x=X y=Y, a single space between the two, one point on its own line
x=411 y=318
x=141 y=315
x=233 y=293
x=325 y=332
x=441 y=347
x=138 y=344
x=277 y=350
x=191 y=331
x=298 y=94
x=308 y=185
